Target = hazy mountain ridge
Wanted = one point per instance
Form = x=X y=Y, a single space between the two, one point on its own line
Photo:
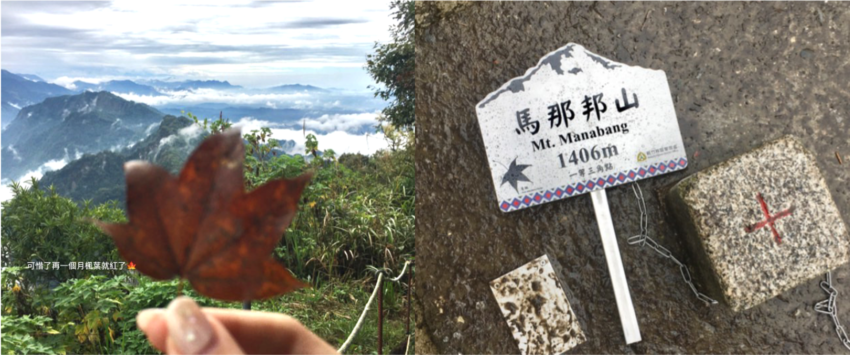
x=117 y=86
x=70 y=125
x=190 y=84
x=21 y=90
x=31 y=77
x=297 y=88
x=100 y=177
x=152 y=87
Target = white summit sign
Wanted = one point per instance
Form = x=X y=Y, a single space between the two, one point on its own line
x=579 y=123
x=575 y=123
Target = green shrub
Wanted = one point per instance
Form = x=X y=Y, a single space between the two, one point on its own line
x=30 y=335
x=41 y=226
x=89 y=311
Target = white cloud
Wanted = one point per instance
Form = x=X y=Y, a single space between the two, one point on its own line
x=340 y=141
x=151 y=128
x=342 y=122
x=6 y=193
x=56 y=164
x=187 y=133
x=245 y=42
x=14 y=152
x=211 y=95
x=68 y=82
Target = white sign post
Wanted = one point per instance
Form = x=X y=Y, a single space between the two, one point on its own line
x=579 y=123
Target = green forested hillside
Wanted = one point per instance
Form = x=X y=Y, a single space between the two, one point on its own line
x=100 y=177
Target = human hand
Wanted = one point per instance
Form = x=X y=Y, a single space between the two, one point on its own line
x=185 y=328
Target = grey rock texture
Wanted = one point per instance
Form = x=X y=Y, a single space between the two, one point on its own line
x=760 y=223
x=738 y=80
x=537 y=309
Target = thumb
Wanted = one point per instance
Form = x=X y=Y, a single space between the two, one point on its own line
x=192 y=332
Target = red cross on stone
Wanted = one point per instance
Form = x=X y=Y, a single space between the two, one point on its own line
x=769 y=220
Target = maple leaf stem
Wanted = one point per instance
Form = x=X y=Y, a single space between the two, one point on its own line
x=180 y=288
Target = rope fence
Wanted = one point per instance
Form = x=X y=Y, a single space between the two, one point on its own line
x=379 y=292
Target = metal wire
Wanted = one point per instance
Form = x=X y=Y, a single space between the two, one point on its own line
x=828 y=307
x=643 y=239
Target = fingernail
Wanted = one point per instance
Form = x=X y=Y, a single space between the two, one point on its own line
x=188 y=327
x=146 y=316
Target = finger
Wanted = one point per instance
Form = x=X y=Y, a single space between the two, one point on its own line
x=190 y=331
x=152 y=323
x=251 y=329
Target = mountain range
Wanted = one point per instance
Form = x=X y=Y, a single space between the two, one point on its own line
x=190 y=85
x=32 y=77
x=86 y=132
x=99 y=177
x=296 y=88
x=120 y=86
x=19 y=91
x=95 y=133
x=71 y=125
x=175 y=97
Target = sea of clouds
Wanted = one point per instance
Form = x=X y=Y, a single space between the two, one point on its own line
x=199 y=96
x=340 y=141
x=341 y=132
x=6 y=185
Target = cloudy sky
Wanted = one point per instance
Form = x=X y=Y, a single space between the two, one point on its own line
x=249 y=43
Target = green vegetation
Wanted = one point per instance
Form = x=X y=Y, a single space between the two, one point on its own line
x=355 y=216
x=393 y=65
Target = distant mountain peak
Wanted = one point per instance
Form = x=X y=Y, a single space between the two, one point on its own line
x=32 y=77
x=22 y=90
x=205 y=84
x=120 y=86
x=297 y=87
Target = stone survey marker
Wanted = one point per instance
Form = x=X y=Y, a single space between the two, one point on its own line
x=760 y=223
x=537 y=309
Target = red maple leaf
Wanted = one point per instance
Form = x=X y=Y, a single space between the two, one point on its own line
x=203 y=227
